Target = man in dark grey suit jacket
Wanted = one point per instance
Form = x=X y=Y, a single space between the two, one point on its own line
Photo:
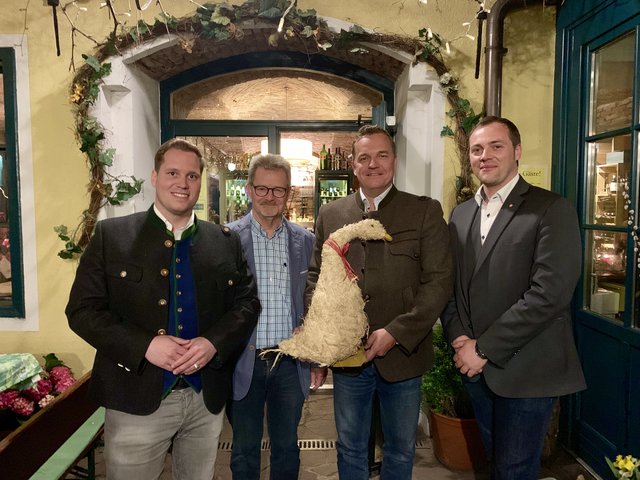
x=167 y=301
x=405 y=283
x=278 y=253
x=517 y=250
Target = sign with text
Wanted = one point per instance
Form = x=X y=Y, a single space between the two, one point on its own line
x=535 y=175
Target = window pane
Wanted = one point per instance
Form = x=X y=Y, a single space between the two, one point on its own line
x=305 y=161
x=612 y=85
x=3 y=128
x=606 y=259
x=223 y=198
x=5 y=244
x=609 y=167
x=274 y=94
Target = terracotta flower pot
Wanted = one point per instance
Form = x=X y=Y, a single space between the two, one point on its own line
x=456 y=442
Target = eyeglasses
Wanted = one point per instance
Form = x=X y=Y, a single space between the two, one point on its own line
x=262 y=191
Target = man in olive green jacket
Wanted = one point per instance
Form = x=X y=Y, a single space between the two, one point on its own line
x=405 y=283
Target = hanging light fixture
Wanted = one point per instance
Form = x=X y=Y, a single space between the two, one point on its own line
x=292 y=149
x=299 y=153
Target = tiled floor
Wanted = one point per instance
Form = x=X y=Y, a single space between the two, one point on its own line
x=318 y=459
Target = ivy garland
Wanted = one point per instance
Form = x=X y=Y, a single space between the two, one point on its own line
x=224 y=22
x=103 y=187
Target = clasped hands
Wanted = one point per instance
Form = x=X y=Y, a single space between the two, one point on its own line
x=179 y=355
x=466 y=358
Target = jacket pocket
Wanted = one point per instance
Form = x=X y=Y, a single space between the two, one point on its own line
x=126 y=272
x=405 y=243
x=228 y=280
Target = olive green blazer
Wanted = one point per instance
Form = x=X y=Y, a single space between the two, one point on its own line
x=405 y=283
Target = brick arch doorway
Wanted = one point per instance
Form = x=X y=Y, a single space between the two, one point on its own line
x=136 y=109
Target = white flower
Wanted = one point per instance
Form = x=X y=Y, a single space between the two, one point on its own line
x=446 y=79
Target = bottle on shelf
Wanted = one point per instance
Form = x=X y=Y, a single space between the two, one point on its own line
x=323 y=158
x=337 y=159
x=329 y=160
x=613 y=185
x=349 y=160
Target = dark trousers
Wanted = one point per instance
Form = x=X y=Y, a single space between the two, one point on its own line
x=513 y=430
x=279 y=389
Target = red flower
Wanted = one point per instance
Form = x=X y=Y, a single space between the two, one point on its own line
x=23 y=406
x=64 y=384
x=62 y=378
x=26 y=402
x=39 y=390
x=7 y=398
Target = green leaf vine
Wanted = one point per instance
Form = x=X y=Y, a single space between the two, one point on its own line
x=104 y=188
x=221 y=22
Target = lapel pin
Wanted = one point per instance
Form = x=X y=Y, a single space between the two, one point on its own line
x=511 y=205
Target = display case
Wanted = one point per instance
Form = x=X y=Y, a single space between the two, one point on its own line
x=331 y=185
x=300 y=205
x=234 y=200
x=610 y=192
x=609 y=247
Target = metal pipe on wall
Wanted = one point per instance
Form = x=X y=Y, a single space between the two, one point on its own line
x=495 y=51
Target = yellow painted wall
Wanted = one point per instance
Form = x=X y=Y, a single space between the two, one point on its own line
x=60 y=174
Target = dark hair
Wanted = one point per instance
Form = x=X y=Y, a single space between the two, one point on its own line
x=269 y=161
x=176 y=144
x=367 y=130
x=514 y=134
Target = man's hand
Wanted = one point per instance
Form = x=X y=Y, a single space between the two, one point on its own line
x=318 y=376
x=164 y=350
x=378 y=344
x=459 y=341
x=466 y=358
x=199 y=352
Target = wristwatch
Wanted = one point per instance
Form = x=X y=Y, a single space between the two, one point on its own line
x=479 y=352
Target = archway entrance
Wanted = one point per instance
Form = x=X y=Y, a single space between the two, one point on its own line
x=253 y=107
x=147 y=79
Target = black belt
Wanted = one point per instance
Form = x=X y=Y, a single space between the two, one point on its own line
x=181 y=384
x=265 y=353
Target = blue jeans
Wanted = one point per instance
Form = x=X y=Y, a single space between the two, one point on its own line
x=278 y=388
x=399 y=409
x=512 y=429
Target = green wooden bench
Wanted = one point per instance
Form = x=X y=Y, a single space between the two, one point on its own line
x=47 y=435
x=79 y=445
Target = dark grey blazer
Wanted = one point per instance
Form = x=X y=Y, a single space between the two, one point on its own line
x=515 y=299
x=406 y=283
x=120 y=300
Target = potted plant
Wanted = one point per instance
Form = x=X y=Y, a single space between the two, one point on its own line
x=454 y=432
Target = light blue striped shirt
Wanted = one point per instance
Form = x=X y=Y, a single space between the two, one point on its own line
x=271 y=257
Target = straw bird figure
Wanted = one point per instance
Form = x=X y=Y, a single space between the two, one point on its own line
x=335 y=323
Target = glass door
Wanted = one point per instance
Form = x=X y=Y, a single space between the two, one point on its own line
x=608 y=152
x=597 y=128
x=307 y=150
x=223 y=198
